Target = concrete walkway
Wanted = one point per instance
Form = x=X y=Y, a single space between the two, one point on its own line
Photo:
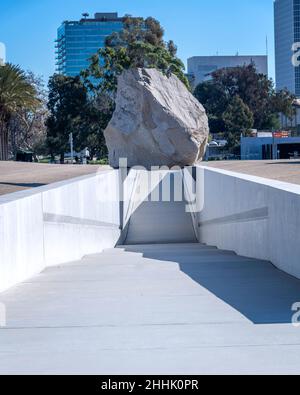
x=159 y=309
x=19 y=176
x=279 y=170
x=161 y=221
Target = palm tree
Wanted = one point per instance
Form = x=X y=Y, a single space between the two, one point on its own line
x=16 y=93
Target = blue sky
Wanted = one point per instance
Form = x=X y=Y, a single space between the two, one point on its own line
x=199 y=27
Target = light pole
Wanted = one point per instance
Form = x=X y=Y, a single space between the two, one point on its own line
x=72 y=148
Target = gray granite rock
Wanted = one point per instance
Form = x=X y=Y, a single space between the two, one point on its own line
x=157 y=122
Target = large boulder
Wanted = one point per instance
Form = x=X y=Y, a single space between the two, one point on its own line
x=157 y=122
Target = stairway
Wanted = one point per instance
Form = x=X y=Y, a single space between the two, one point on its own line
x=153 y=309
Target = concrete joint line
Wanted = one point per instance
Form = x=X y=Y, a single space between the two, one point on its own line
x=64 y=219
x=259 y=214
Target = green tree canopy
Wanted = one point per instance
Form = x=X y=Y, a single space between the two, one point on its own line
x=72 y=110
x=238 y=118
x=27 y=129
x=99 y=111
x=139 y=44
x=255 y=90
x=66 y=105
x=16 y=93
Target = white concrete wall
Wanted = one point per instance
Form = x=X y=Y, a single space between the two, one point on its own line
x=56 y=224
x=81 y=218
x=253 y=216
x=21 y=239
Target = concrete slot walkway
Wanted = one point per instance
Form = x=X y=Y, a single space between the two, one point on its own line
x=167 y=222
x=162 y=221
x=153 y=309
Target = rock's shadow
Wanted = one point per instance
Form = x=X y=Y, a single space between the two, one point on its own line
x=255 y=288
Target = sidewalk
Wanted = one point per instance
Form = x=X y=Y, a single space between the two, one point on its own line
x=17 y=176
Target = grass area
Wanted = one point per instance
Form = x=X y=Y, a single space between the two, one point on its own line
x=100 y=162
x=44 y=160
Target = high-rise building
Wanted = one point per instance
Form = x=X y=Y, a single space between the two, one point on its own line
x=77 y=41
x=2 y=54
x=201 y=67
x=287 y=32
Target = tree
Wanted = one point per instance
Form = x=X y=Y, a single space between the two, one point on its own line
x=254 y=89
x=16 y=93
x=283 y=103
x=238 y=119
x=215 y=101
x=66 y=105
x=139 y=44
x=27 y=129
x=71 y=109
x=100 y=111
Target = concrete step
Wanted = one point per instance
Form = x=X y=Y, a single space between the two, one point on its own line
x=197 y=256
x=114 y=252
x=195 y=310
x=166 y=251
x=131 y=254
x=113 y=259
x=167 y=246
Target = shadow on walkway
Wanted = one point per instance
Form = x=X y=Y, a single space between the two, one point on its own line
x=255 y=288
x=289 y=162
x=23 y=185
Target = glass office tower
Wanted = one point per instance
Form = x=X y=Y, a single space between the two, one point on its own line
x=287 y=32
x=2 y=54
x=77 y=41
